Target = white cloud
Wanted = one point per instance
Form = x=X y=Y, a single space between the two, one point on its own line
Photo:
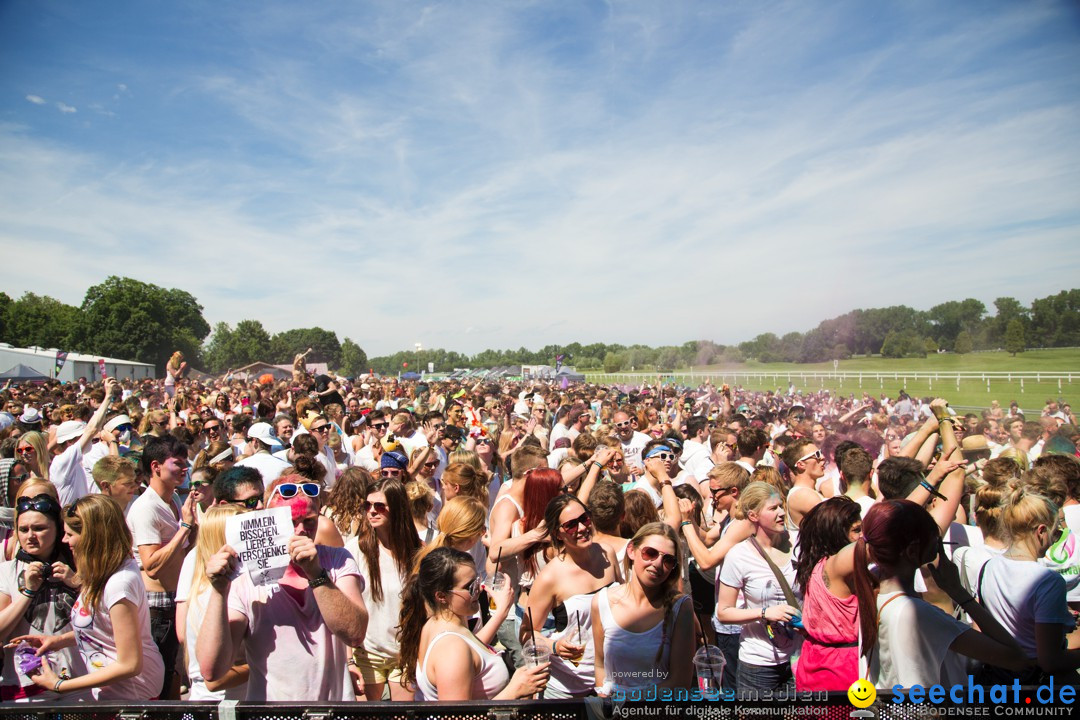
x=37 y=100
x=65 y=108
x=537 y=175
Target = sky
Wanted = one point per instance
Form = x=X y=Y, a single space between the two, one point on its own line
x=502 y=174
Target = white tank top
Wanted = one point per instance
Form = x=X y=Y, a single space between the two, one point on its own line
x=487 y=683
x=630 y=657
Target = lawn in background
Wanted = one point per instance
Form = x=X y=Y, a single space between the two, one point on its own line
x=884 y=375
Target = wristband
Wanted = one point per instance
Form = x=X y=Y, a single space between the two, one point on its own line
x=932 y=490
x=684 y=523
x=27 y=593
x=56 y=687
x=666 y=483
x=185 y=525
x=598 y=464
x=763 y=614
x=321 y=579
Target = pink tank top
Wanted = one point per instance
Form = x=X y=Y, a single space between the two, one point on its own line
x=830 y=653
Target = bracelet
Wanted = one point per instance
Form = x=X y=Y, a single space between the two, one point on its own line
x=685 y=523
x=665 y=483
x=598 y=464
x=763 y=614
x=27 y=593
x=56 y=687
x=186 y=525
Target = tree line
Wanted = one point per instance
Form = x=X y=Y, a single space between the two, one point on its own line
x=133 y=320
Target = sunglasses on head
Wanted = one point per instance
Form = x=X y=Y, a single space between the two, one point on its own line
x=584 y=518
x=649 y=554
x=290 y=490
x=380 y=508
x=40 y=503
x=71 y=509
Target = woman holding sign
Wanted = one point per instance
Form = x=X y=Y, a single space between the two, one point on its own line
x=388 y=544
x=296 y=631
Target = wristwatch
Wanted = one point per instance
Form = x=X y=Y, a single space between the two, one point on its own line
x=319 y=580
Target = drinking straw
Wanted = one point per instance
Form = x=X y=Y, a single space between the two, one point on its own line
x=532 y=627
x=497 y=559
x=577 y=618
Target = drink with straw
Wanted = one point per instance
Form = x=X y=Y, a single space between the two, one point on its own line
x=498 y=582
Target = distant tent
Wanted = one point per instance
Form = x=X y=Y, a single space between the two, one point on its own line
x=23 y=372
x=410 y=376
x=570 y=376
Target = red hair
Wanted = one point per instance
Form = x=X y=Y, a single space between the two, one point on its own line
x=542 y=485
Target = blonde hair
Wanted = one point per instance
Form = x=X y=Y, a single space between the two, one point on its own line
x=104 y=545
x=32 y=487
x=210 y=540
x=461 y=518
x=470 y=480
x=752 y=498
x=1025 y=511
x=111 y=469
x=771 y=476
x=421 y=498
x=41 y=452
x=670 y=586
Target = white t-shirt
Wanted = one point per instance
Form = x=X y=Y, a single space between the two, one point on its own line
x=1020 y=593
x=152 y=521
x=383 y=617
x=744 y=569
x=293 y=656
x=913 y=645
x=633 y=447
x=643 y=485
x=1063 y=557
x=196 y=611
x=269 y=466
x=696 y=459
x=95 y=638
x=67 y=474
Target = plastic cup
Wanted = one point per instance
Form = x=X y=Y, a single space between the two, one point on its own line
x=497 y=584
x=535 y=655
x=709 y=663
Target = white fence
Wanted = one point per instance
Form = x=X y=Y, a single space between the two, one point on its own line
x=852 y=378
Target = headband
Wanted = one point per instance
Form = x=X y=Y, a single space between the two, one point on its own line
x=659 y=449
x=222 y=456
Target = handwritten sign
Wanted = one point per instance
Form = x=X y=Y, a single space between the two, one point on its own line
x=261 y=539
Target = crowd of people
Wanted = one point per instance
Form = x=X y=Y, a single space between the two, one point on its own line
x=512 y=539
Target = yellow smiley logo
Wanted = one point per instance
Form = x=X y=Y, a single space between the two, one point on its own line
x=861 y=693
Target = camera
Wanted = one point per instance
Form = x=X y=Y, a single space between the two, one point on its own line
x=46 y=571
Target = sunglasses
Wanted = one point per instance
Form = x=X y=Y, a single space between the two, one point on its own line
x=251 y=503
x=321 y=428
x=71 y=509
x=816 y=455
x=212 y=428
x=380 y=508
x=433 y=464
x=40 y=503
x=290 y=490
x=25 y=450
x=379 y=426
x=473 y=589
x=197 y=485
x=483 y=441
x=623 y=424
x=391 y=473
x=124 y=428
x=665 y=456
x=650 y=554
x=717 y=494
x=584 y=518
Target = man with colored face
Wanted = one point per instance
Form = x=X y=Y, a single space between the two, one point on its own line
x=297 y=634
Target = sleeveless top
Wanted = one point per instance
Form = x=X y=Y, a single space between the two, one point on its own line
x=630 y=657
x=788 y=522
x=564 y=676
x=487 y=683
x=830 y=652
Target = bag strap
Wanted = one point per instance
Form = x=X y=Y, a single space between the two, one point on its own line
x=978 y=587
x=789 y=594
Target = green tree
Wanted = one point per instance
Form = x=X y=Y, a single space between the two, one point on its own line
x=129 y=319
x=323 y=343
x=614 y=362
x=41 y=321
x=963 y=343
x=354 y=360
x=931 y=346
x=1014 y=337
x=5 y=305
x=229 y=348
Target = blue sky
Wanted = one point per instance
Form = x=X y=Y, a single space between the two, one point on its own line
x=505 y=174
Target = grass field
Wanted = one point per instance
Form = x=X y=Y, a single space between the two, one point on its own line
x=934 y=375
